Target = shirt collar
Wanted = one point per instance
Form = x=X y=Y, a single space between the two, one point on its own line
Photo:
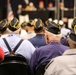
x=70 y=52
x=54 y=42
x=30 y=32
x=13 y=35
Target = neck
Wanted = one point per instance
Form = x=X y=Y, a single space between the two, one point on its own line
x=40 y=33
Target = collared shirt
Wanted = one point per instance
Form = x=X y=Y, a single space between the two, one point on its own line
x=26 y=48
x=38 y=40
x=29 y=35
x=64 y=32
x=46 y=53
x=63 y=65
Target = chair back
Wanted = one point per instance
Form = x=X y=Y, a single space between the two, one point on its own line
x=41 y=69
x=14 y=65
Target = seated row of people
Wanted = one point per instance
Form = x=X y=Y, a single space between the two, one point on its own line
x=65 y=64
x=43 y=43
x=53 y=48
x=12 y=31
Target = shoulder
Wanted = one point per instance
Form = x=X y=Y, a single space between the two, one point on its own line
x=61 y=59
x=27 y=43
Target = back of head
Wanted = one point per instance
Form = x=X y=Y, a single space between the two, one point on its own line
x=14 y=25
x=30 y=26
x=53 y=27
x=31 y=23
x=3 y=26
x=24 y=24
x=72 y=35
x=38 y=26
x=74 y=26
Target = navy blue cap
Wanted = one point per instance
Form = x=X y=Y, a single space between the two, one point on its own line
x=53 y=28
x=38 y=24
x=14 y=25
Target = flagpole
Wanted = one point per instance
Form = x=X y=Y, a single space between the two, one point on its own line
x=57 y=9
x=62 y=11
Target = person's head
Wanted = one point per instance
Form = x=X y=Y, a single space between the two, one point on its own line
x=47 y=22
x=72 y=35
x=19 y=6
x=50 y=5
x=31 y=4
x=30 y=26
x=41 y=4
x=39 y=26
x=61 y=24
x=52 y=32
x=72 y=40
x=74 y=26
x=3 y=26
x=14 y=26
x=23 y=25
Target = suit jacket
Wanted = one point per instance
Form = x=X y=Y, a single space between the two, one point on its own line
x=63 y=65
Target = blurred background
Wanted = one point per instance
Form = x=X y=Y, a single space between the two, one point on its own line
x=44 y=9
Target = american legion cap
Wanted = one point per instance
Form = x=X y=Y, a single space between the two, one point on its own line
x=3 y=25
x=38 y=24
x=14 y=24
x=53 y=27
x=31 y=23
x=72 y=35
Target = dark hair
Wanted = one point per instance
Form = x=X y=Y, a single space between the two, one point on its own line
x=30 y=25
x=3 y=30
x=23 y=24
x=37 y=30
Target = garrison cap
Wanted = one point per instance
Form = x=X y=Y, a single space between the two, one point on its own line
x=31 y=23
x=14 y=25
x=53 y=28
x=3 y=25
x=38 y=24
x=72 y=35
x=74 y=26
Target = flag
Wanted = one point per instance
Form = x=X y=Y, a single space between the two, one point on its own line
x=10 y=14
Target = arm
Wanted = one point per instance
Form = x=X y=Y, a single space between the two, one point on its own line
x=1 y=54
x=52 y=68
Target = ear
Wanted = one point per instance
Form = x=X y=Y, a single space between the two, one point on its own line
x=46 y=38
x=20 y=31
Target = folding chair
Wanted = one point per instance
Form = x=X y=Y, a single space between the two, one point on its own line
x=14 y=65
x=41 y=69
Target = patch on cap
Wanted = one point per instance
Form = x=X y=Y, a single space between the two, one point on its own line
x=14 y=25
x=53 y=28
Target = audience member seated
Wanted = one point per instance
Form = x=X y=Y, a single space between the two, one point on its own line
x=62 y=7
x=30 y=7
x=73 y=25
x=26 y=49
x=23 y=32
x=65 y=64
x=39 y=39
x=53 y=48
x=30 y=30
x=3 y=27
x=19 y=9
x=41 y=6
x=64 y=31
x=50 y=6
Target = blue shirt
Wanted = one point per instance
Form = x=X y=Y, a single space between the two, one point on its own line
x=38 y=40
x=46 y=53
